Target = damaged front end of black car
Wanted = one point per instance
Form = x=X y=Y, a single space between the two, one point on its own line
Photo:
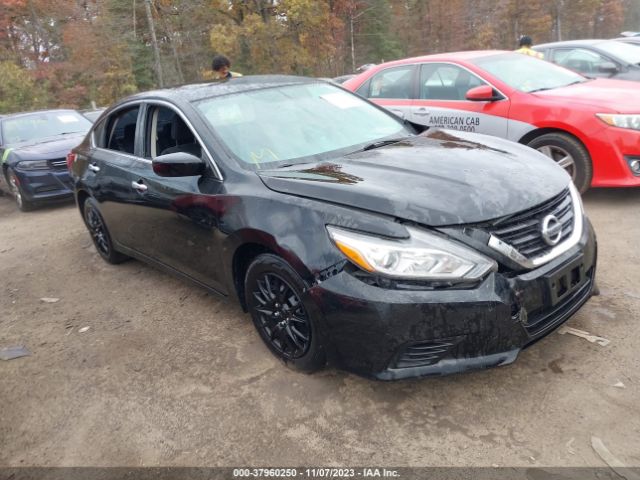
x=348 y=238
x=451 y=285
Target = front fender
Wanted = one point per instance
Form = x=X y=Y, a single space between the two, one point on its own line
x=294 y=228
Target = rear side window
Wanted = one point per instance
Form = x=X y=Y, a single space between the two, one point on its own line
x=394 y=82
x=120 y=131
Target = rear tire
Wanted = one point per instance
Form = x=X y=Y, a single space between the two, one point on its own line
x=570 y=154
x=273 y=295
x=100 y=234
x=16 y=191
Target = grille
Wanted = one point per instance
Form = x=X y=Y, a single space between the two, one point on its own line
x=524 y=233
x=423 y=354
x=58 y=163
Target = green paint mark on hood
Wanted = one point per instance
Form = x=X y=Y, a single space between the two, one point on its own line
x=5 y=155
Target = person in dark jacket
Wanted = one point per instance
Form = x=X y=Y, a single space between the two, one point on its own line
x=525 y=47
x=221 y=66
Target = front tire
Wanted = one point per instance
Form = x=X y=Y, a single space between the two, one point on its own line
x=570 y=154
x=273 y=294
x=16 y=191
x=100 y=234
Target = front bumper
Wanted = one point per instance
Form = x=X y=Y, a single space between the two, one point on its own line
x=45 y=185
x=393 y=334
x=610 y=151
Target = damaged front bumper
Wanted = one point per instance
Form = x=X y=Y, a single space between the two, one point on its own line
x=45 y=185
x=391 y=334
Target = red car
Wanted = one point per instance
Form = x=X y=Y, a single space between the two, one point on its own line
x=590 y=127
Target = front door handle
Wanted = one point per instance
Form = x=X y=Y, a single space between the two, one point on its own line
x=422 y=112
x=93 y=167
x=141 y=187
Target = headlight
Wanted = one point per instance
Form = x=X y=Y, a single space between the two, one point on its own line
x=622 y=121
x=33 y=165
x=424 y=256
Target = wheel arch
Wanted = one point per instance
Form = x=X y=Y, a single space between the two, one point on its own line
x=533 y=134
x=243 y=256
x=81 y=198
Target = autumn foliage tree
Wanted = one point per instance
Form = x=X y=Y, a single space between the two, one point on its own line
x=75 y=52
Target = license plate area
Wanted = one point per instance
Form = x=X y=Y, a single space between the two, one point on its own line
x=566 y=281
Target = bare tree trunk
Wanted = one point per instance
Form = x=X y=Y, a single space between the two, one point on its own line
x=171 y=36
x=135 y=36
x=37 y=38
x=353 y=50
x=154 y=41
x=560 y=9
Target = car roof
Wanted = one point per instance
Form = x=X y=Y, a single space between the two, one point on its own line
x=200 y=91
x=463 y=56
x=627 y=39
x=35 y=112
x=577 y=43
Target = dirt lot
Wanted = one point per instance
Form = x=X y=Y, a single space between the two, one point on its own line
x=169 y=375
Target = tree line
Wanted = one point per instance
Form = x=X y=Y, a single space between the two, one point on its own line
x=73 y=53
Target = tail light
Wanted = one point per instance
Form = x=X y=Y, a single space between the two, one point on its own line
x=71 y=158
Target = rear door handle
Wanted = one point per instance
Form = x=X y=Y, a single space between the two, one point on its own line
x=140 y=187
x=93 y=167
x=422 y=112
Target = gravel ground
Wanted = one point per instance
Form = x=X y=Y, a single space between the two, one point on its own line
x=169 y=375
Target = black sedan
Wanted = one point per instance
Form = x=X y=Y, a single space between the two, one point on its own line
x=349 y=239
x=595 y=58
x=33 y=151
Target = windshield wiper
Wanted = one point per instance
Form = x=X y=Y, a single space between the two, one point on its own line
x=578 y=81
x=542 y=89
x=381 y=143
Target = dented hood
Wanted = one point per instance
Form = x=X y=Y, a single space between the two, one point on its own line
x=439 y=178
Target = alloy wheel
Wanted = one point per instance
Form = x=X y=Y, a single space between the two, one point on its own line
x=98 y=232
x=561 y=157
x=15 y=189
x=282 y=316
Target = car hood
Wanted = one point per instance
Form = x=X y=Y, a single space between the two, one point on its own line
x=438 y=178
x=607 y=95
x=52 y=147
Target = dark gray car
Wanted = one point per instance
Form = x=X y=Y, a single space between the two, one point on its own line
x=595 y=58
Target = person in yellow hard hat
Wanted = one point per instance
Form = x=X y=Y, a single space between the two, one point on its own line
x=525 y=47
x=221 y=67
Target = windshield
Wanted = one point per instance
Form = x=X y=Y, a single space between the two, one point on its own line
x=296 y=124
x=625 y=52
x=37 y=126
x=528 y=74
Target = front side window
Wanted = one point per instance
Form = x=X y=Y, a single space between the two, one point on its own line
x=443 y=81
x=120 y=134
x=169 y=134
x=296 y=124
x=527 y=74
x=394 y=82
x=584 y=61
x=42 y=125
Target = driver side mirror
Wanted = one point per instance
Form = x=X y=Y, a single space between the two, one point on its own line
x=178 y=164
x=483 y=93
x=608 y=67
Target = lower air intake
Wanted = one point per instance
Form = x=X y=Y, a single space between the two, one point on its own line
x=424 y=353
